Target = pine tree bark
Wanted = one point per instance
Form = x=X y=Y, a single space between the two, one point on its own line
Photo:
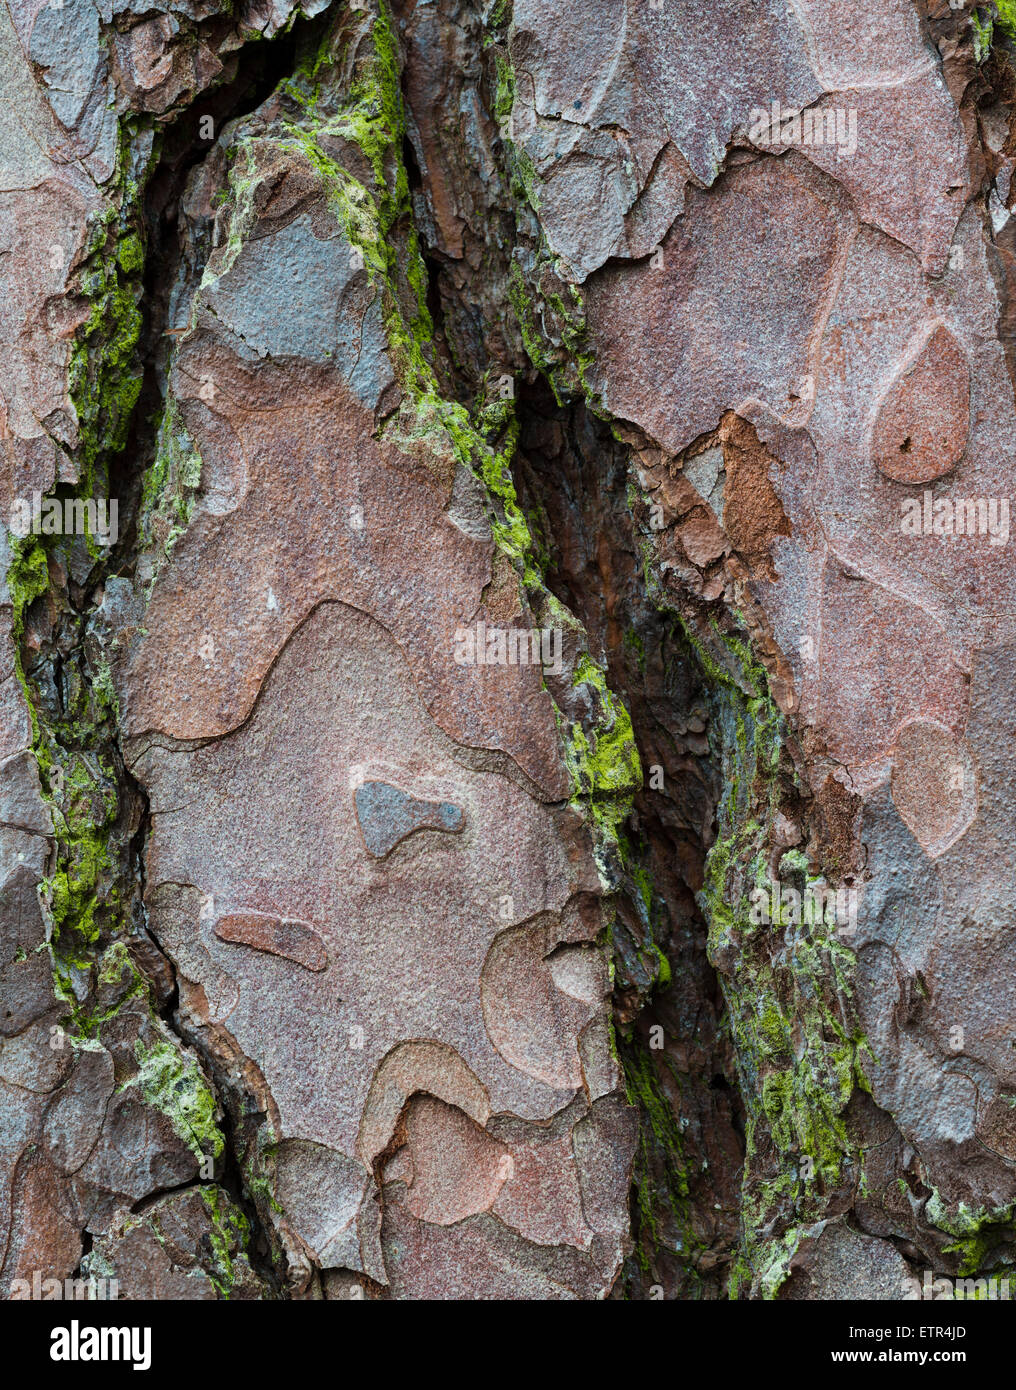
x=506 y=649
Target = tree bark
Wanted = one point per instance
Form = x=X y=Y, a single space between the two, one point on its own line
x=506 y=649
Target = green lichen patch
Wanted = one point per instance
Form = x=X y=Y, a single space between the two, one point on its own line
x=176 y=1085
x=27 y=579
x=201 y=1231
x=118 y=981
x=522 y=174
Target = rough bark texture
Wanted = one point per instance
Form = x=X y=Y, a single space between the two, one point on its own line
x=348 y=949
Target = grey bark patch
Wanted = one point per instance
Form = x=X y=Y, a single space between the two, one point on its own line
x=293 y=294
x=65 y=44
x=388 y=815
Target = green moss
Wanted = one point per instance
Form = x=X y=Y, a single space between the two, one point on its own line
x=605 y=762
x=27 y=579
x=638 y=961
x=105 y=692
x=104 y=375
x=982 y=37
x=77 y=777
x=523 y=178
x=81 y=791
x=978 y=1233
x=664 y=974
x=77 y=782
x=603 y=766
x=130 y=253
x=504 y=88
x=786 y=986
x=116 y=963
x=222 y=1250
x=997 y=27
x=498 y=18
x=229 y=1238
x=84 y=1022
